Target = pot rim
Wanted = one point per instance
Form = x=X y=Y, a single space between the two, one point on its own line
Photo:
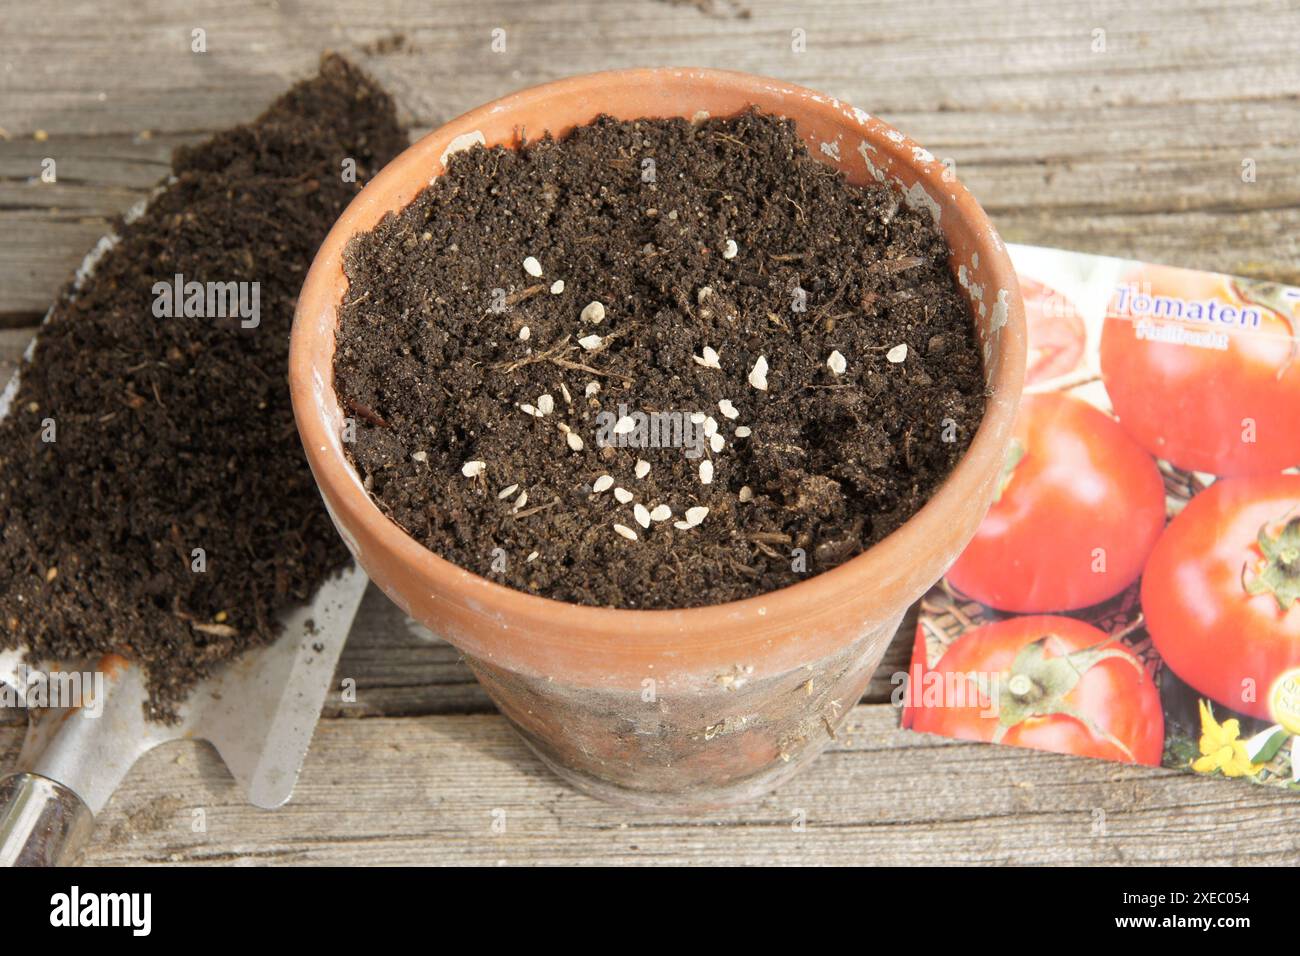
x=646 y=630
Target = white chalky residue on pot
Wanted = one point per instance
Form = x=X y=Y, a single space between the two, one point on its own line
x=876 y=172
x=831 y=149
x=462 y=142
x=917 y=198
x=1000 y=310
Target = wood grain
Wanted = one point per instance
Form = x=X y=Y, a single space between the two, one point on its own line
x=429 y=790
x=1137 y=150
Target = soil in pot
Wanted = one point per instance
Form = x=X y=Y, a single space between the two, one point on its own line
x=154 y=500
x=655 y=364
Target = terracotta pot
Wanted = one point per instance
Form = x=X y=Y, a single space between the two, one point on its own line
x=696 y=707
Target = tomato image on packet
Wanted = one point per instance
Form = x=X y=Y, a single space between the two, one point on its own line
x=1047 y=682
x=1221 y=593
x=1133 y=593
x=1056 y=332
x=1201 y=375
x=1078 y=511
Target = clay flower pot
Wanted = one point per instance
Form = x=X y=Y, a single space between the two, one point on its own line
x=697 y=707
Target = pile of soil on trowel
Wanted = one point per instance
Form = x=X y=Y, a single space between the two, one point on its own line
x=154 y=498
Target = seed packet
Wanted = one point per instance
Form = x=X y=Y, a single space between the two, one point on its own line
x=1134 y=592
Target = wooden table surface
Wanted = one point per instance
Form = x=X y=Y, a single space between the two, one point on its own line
x=1135 y=149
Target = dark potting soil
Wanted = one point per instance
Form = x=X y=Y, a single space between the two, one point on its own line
x=479 y=383
x=176 y=434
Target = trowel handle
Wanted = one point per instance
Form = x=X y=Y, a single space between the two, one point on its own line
x=42 y=822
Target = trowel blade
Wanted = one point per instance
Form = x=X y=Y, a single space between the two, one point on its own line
x=259 y=711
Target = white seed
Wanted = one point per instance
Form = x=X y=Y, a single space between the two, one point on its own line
x=705 y=293
x=568 y=399
x=532 y=266
x=622 y=495
x=836 y=363
x=574 y=440
x=545 y=404
x=728 y=409
x=897 y=354
x=697 y=514
x=591 y=389
x=521 y=500
x=706 y=472
x=730 y=249
x=683 y=525
x=710 y=426
x=717 y=442
x=593 y=312
x=530 y=410
x=624 y=425
x=625 y=531
x=507 y=491
x=642 y=468
x=642 y=514
x=746 y=493
x=743 y=431
x=707 y=358
x=531 y=557
x=420 y=456
x=472 y=469
x=758 y=374
x=697 y=418
x=590 y=342
x=603 y=483
x=557 y=287
x=524 y=333
x=660 y=513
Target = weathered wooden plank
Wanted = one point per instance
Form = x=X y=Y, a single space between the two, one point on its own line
x=428 y=790
x=1135 y=150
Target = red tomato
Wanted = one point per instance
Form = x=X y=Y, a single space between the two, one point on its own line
x=1229 y=410
x=1058 y=685
x=1081 y=508
x=1056 y=332
x=1221 y=593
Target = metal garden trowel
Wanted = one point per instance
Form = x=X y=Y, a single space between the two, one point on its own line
x=259 y=712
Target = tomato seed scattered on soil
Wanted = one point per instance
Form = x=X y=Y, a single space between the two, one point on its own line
x=743 y=280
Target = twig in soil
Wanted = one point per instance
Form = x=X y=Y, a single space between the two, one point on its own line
x=533 y=511
x=364 y=412
x=517 y=297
